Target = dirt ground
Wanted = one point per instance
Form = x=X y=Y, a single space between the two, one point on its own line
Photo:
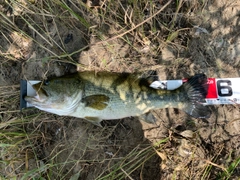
x=206 y=39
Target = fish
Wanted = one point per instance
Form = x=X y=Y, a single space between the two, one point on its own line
x=107 y=95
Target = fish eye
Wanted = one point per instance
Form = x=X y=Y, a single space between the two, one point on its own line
x=46 y=82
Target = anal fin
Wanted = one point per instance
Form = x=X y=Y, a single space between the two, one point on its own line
x=148 y=118
x=197 y=110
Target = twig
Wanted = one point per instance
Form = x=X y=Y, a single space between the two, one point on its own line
x=122 y=34
x=146 y=20
x=127 y=174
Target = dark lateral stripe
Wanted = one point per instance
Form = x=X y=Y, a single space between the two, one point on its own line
x=120 y=80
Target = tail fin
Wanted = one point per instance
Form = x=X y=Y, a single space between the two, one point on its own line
x=196 y=88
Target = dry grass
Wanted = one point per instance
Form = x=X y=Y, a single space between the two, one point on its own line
x=37 y=145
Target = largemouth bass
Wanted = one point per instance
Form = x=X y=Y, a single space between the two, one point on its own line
x=104 y=95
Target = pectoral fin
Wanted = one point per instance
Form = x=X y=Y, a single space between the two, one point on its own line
x=98 y=102
x=94 y=120
x=148 y=118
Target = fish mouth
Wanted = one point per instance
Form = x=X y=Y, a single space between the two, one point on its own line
x=33 y=99
x=40 y=97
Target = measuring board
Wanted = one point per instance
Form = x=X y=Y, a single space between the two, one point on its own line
x=220 y=90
